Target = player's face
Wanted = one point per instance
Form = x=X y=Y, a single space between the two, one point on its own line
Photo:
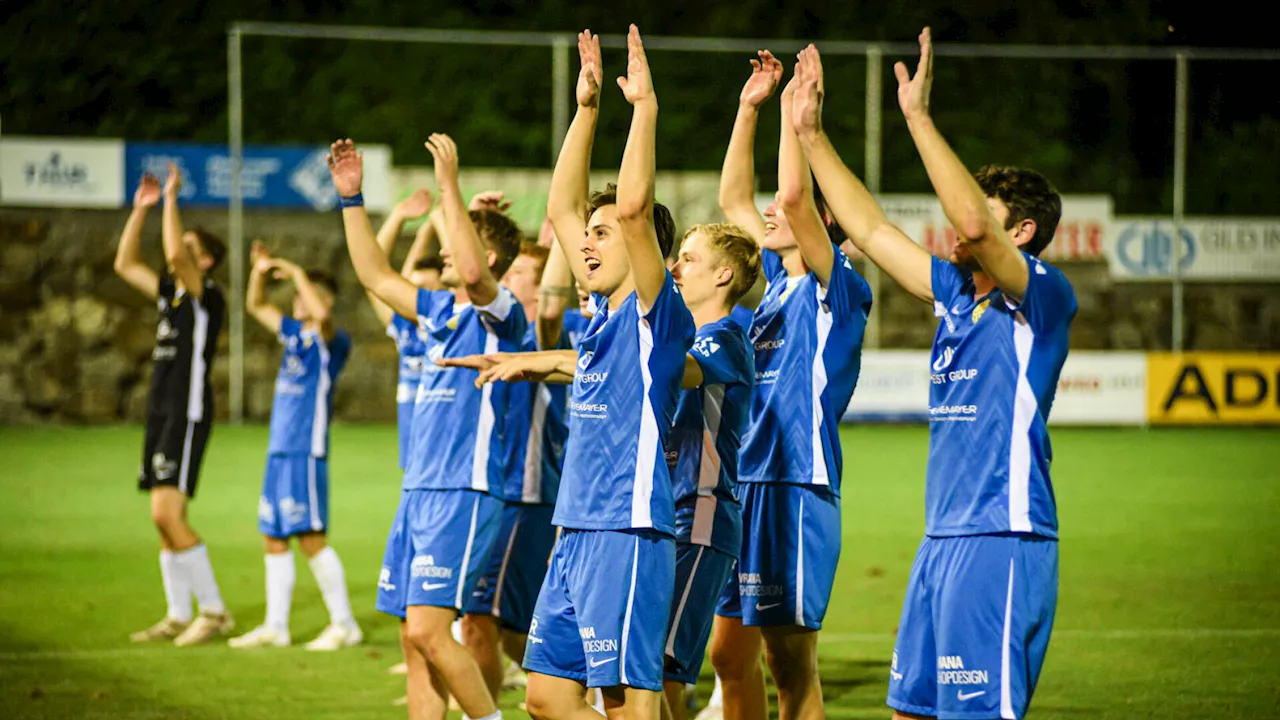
x=604 y=252
x=202 y=259
x=698 y=271
x=300 y=312
x=777 y=230
x=448 y=274
x=522 y=280
x=426 y=279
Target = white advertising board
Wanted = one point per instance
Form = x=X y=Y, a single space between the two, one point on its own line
x=61 y=172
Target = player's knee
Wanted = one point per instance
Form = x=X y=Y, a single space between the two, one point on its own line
x=793 y=664
x=312 y=543
x=732 y=660
x=540 y=704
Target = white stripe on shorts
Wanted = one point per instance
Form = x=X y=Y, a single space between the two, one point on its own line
x=626 y=621
x=1006 y=694
x=466 y=553
x=684 y=597
x=184 y=470
x=313 y=495
x=800 y=564
x=502 y=572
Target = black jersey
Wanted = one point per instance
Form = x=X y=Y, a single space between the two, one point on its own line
x=186 y=342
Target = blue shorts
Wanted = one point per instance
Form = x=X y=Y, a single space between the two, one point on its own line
x=295 y=496
x=517 y=565
x=975 y=626
x=601 y=617
x=701 y=575
x=437 y=548
x=790 y=548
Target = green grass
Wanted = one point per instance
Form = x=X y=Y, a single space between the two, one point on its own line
x=1169 y=606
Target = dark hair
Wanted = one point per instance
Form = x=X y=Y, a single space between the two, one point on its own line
x=663 y=224
x=1029 y=196
x=430 y=262
x=539 y=253
x=834 y=231
x=212 y=245
x=324 y=279
x=500 y=234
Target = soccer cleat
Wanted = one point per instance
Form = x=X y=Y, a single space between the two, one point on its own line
x=206 y=627
x=514 y=678
x=167 y=629
x=336 y=637
x=261 y=636
x=399 y=669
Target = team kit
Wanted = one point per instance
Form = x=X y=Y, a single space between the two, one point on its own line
x=620 y=445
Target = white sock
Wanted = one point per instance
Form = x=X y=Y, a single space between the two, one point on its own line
x=281 y=576
x=194 y=563
x=332 y=580
x=177 y=591
x=717 y=696
x=497 y=715
x=598 y=703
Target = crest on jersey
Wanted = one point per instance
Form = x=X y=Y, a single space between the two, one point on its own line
x=980 y=309
x=706 y=346
x=452 y=323
x=585 y=359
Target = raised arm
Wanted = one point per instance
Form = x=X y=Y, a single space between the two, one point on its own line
x=428 y=234
x=555 y=294
x=176 y=253
x=635 y=178
x=129 y=265
x=738 y=176
x=795 y=195
x=346 y=166
x=317 y=309
x=962 y=199
x=255 y=301
x=570 y=181
x=414 y=206
x=853 y=206
x=470 y=258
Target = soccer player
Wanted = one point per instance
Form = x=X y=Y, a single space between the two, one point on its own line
x=807 y=335
x=980 y=602
x=179 y=405
x=451 y=507
x=295 y=487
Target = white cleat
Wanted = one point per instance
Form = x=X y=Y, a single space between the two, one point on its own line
x=166 y=630
x=711 y=712
x=399 y=669
x=261 y=636
x=205 y=628
x=336 y=637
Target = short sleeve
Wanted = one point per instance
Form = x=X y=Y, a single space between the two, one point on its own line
x=847 y=293
x=948 y=282
x=213 y=299
x=669 y=319
x=339 y=352
x=397 y=326
x=504 y=316
x=771 y=265
x=289 y=328
x=434 y=308
x=1050 y=301
x=720 y=349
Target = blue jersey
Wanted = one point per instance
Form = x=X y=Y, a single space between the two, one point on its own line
x=808 y=346
x=303 y=402
x=575 y=326
x=742 y=316
x=703 y=450
x=458 y=429
x=413 y=356
x=995 y=369
x=536 y=426
x=630 y=364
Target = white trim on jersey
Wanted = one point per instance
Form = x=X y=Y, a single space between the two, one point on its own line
x=184 y=469
x=531 y=490
x=1025 y=408
x=1006 y=693
x=647 y=444
x=684 y=598
x=704 y=513
x=313 y=495
x=800 y=563
x=823 y=319
x=320 y=418
x=484 y=428
x=626 y=621
x=199 y=339
x=502 y=571
x=466 y=553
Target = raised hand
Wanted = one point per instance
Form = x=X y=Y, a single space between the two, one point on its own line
x=259 y=258
x=806 y=103
x=592 y=71
x=346 y=167
x=282 y=269
x=445 y=153
x=148 y=192
x=766 y=73
x=490 y=200
x=637 y=86
x=913 y=92
x=416 y=205
x=173 y=181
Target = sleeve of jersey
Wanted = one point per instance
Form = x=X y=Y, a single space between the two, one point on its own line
x=339 y=352
x=848 y=293
x=1050 y=301
x=393 y=328
x=289 y=328
x=947 y=282
x=722 y=355
x=771 y=264
x=433 y=305
x=669 y=319
x=504 y=317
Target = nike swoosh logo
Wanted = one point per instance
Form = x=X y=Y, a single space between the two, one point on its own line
x=962 y=696
x=895 y=675
x=606 y=661
x=434 y=586
x=535 y=640
x=761 y=608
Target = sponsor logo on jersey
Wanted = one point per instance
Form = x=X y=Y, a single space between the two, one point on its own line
x=424 y=566
x=266 y=513
x=294 y=512
x=770 y=344
x=585 y=359
x=951 y=671
x=163 y=467
x=962 y=413
x=751 y=585
x=706 y=347
x=944 y=359
x=591 y=644
x=953 y=376
x=384 y=579
x=165 y=330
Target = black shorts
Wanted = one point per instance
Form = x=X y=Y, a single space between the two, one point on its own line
x=172 y=451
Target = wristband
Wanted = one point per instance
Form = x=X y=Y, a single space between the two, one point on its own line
x=356 y=200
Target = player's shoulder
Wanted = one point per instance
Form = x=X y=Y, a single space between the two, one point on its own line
x=1045 y=270
x=723 y=335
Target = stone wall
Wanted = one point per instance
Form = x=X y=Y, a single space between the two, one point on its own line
x=75 y=340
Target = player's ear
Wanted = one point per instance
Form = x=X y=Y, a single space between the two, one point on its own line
x=724 y=276
x=492 y=258
x=1023 y=231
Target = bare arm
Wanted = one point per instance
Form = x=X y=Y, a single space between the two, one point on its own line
x=423 y=239
x=570 y=181
x=795 y=195
x=255 y=301
x=129 y=265
x=555 y=296
x=854 y=207
x=692 y=374
x=636 y=177
x=551 y=366
x=317 y=308
x=175 y=251
x=371 y=264
x=414 y=206
x=962 y=199
x=738 y=175
x=470 y=258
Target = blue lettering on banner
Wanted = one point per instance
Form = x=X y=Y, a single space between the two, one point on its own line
x=271 y=176
x=1147 y=250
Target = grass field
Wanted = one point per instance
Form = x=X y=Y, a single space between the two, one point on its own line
x=1169 y=606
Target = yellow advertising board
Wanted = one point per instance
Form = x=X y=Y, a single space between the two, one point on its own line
x=1213 y=389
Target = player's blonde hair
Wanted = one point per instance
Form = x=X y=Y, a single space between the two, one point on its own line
x=736 y=249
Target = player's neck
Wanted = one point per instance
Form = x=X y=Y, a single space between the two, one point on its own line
x=460 y=296
x=982 y=283
x=793 y=262
x=620 y=295
x=530 y=311
x=311 y=326
x=713 y=310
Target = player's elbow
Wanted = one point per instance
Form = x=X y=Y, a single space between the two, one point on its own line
x=972 y=224
x=633 y=208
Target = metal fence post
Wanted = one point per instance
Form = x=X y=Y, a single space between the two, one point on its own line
x=560 y=89
x=1179 y=191
x=235 y=222
x=871 y=175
